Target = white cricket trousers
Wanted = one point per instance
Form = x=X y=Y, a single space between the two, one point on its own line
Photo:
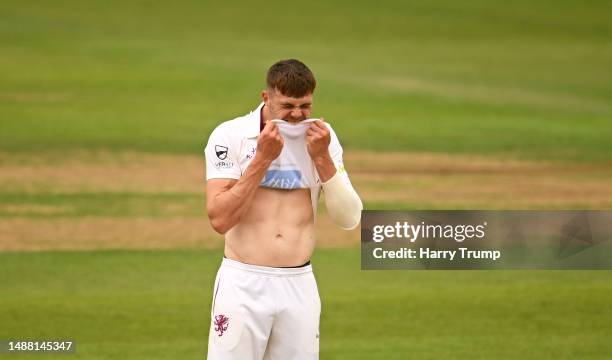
x=261 y=312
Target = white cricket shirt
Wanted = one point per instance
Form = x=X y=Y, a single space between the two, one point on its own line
x=232 y=146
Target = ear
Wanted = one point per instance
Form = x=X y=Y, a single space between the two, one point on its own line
x=265 y=96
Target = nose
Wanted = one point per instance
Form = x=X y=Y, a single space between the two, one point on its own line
x=296 y=113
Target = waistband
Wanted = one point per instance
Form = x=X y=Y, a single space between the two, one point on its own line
x=267 y=270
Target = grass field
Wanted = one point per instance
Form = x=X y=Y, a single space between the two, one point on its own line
x=105 y=107
x=154 y=305
x=528 y=79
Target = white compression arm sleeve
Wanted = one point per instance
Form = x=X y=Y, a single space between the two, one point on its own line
x=343 y=204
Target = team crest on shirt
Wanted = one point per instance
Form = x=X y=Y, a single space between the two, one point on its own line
x=221 y=324
x=221 y=151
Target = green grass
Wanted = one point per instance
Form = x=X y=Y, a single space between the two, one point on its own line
x=114 y=204
x=528 y=79
x=524 y=79
x=155 y=305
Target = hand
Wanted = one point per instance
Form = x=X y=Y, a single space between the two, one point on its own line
x=269 y=143
x=317 y=140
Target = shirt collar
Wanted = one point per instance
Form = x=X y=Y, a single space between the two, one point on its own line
x=254 y=121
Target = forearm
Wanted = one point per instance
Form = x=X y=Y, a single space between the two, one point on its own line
x=227 y=207
x=325 y=166
x=343 y=204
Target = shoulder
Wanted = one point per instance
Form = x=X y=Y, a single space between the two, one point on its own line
x=240 y=127
x=231 y=131
x=331 y=130
x=328 y=126
x=234 y=127
x=334 y=145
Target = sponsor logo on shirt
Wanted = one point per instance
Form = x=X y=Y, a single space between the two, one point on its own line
x=282 y=179
x=221 y=151
x=251 y=153
x=224 y=165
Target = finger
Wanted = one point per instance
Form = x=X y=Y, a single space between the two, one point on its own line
x=269 y=126
x=314 y=126
x=313 y=138
x=324 y=130
x=320 y=125
x=317 y=131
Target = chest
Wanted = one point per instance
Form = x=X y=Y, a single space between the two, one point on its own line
x=293 y=169
x=246 y=153
x=279 y=178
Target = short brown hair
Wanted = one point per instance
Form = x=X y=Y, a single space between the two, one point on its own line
x=292 y=78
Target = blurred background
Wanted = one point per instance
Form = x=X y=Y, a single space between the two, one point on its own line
x=106 y=106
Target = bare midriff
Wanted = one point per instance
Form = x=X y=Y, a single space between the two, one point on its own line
x=277 y=230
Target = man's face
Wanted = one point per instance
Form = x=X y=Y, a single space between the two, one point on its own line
x=287 y=108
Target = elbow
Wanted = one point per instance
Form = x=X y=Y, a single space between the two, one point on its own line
x=353 y=223
x=221 y=224
x=343 y=204
x=347 y=218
